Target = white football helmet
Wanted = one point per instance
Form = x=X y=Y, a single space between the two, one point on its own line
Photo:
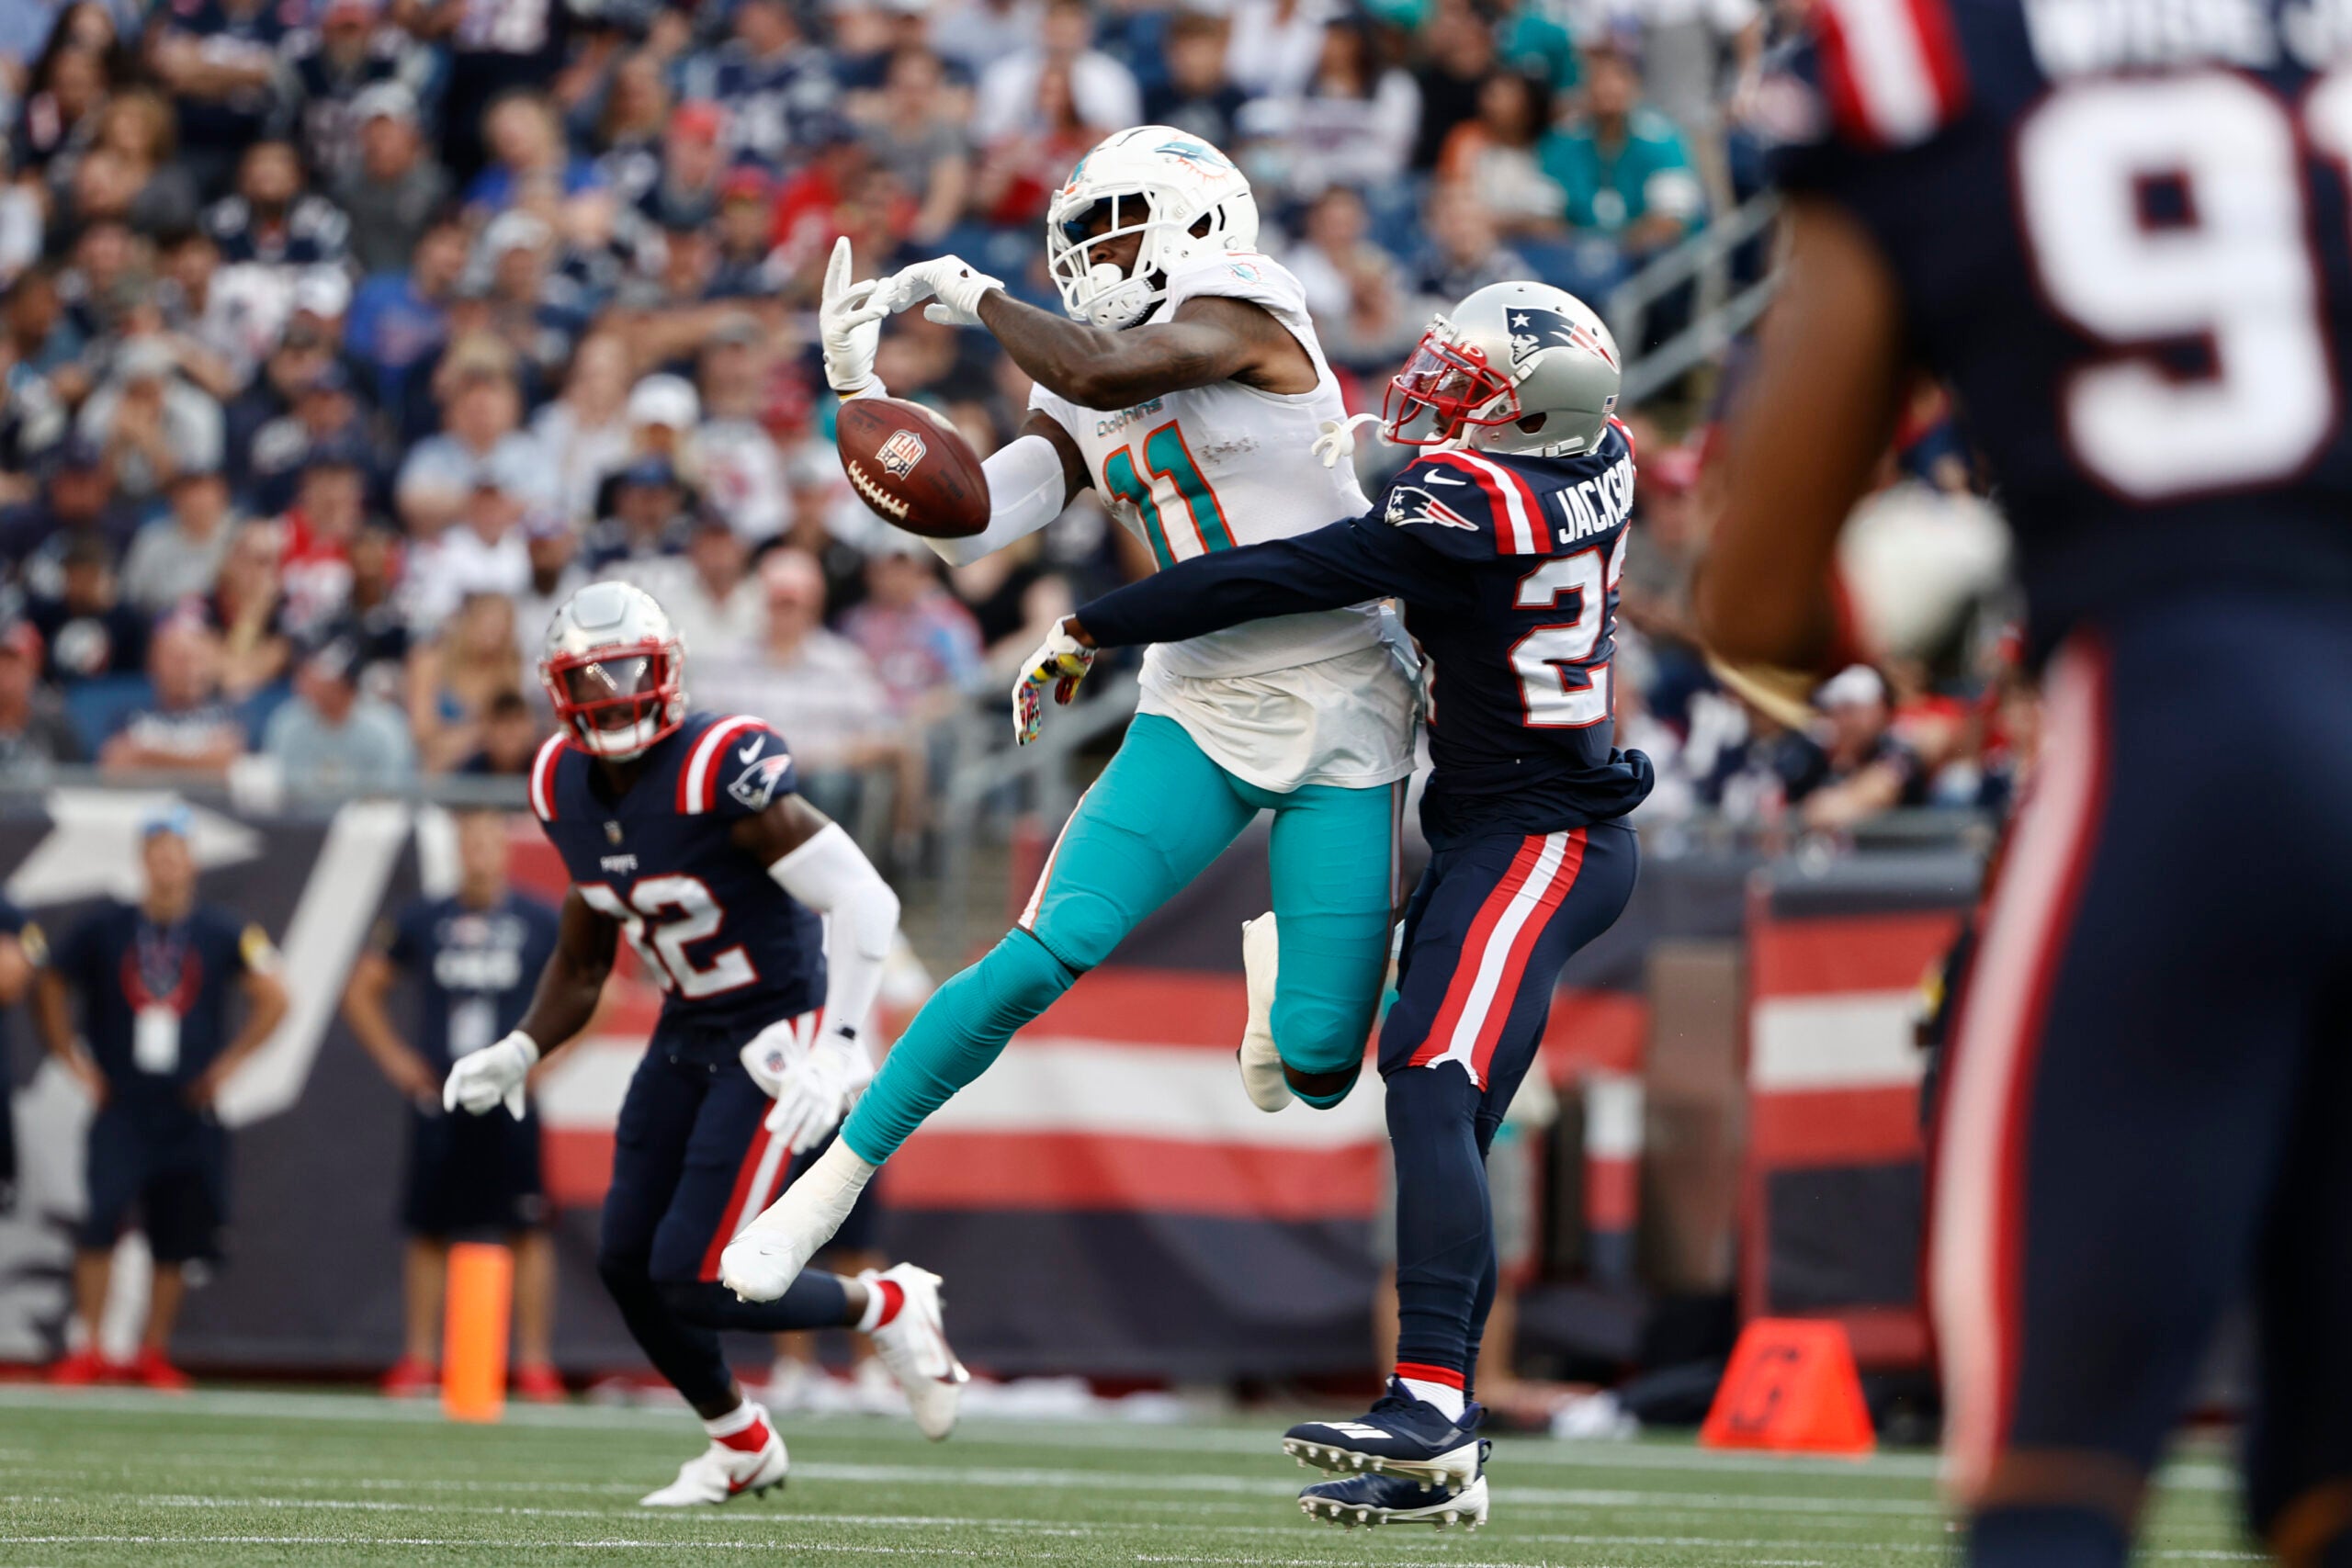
x=1509 y=353
x=1182 y=195
x=614 y=668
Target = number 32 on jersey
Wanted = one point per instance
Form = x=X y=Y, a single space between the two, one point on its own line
x=662 y=918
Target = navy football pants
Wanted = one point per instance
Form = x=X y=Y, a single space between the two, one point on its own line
x=2148 y=1106
x=691 y=1163
x=1486 y=930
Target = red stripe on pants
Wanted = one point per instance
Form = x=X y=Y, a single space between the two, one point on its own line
x=1466 y=968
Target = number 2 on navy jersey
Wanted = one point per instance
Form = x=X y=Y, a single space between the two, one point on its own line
x=2232 y=266
x=660 y=943
x=1556 y=686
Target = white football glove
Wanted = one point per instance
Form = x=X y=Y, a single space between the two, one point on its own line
x=1339 y=439
x=850 y=341
x=492 y=1076
x=1061 y=663
x=817 y=1090
x=951 y=281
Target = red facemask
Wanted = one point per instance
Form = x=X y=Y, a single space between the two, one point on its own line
x=1450 y=383
x=617 y=701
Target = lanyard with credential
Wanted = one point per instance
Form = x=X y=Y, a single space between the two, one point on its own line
x=159 y=980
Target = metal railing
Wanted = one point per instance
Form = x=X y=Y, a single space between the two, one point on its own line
x=1720 y=314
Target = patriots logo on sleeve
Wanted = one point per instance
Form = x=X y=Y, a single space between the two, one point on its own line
x=755 y=785
x=1411 y=503
x=1533 y=330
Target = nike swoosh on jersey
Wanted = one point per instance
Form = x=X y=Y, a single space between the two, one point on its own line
x=1443 y=480
x=748 y=752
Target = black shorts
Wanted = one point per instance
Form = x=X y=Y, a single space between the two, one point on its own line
x=170 y=1164
x=472 y=1174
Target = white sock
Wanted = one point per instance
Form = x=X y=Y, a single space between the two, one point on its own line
x=739 y=1419
x=1444 y=1396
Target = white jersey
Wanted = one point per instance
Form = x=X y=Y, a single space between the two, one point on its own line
x=1212 y=467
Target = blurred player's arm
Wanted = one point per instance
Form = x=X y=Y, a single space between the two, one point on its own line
x=16 y=969
x=53 y=1012
x=265 y=1004
x=371 y=1024
x=817 y=863
x=1805 y=439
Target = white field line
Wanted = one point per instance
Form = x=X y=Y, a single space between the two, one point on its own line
x=618 y=1545
x=2186 y=1474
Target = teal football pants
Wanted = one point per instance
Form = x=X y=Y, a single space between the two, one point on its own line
x=1155 y=819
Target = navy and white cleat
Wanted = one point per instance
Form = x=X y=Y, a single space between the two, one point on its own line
x=1369 y=1500
x=1400 y=1436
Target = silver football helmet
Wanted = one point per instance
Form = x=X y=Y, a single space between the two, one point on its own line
x=1516 y=367
x=616 y=669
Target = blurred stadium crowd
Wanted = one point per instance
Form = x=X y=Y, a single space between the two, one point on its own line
x=343 y=338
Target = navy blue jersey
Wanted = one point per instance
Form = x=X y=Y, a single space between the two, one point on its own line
x=726 y=945
x=1507 y=567
x=155 y=998
x=2124 y=243
x=475 y=969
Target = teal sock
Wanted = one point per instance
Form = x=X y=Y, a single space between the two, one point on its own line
x=952 y=1040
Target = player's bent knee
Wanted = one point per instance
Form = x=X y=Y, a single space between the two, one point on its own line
x=1027 y=975
x=1320 y=1037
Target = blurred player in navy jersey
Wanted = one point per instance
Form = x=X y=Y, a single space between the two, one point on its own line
x=473 y=957
x=2124 y=245
x=21 y=951
x=157 y=982
x=1505 y=541
x=766 y=929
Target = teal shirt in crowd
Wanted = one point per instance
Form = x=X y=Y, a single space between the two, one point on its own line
x=1609 y=190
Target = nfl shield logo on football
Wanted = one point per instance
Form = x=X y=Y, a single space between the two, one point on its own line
x=899 y=455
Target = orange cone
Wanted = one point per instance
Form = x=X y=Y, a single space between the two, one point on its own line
x=1792 y=1387
x=473 y=1334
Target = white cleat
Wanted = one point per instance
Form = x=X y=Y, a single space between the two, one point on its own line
x=913 y=1344
x=720 y=1474
x=1262 y=1062
x=768 y=1254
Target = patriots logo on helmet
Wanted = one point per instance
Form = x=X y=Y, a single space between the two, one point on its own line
x=1533 y=330
x=755 y=785
x=899 y=454
x=1410 y=503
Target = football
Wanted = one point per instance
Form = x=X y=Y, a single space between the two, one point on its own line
x=913 y=468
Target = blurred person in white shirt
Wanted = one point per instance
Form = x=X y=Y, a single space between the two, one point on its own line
x=481 y=410
x=817 y=689
x=738 y=469
x=485 y=551
x=1102 y=90
x=584 y=432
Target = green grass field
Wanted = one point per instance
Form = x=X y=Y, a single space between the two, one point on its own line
x=111 y=1477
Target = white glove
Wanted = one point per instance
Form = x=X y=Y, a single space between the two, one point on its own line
x=849 y=343
x=770 y=1054
x=1061 y=663
x=818 y=1089
x=1338 y=437
x=492 y=1076
x=952 y=281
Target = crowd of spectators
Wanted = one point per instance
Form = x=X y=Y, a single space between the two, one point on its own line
x=340 y=339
